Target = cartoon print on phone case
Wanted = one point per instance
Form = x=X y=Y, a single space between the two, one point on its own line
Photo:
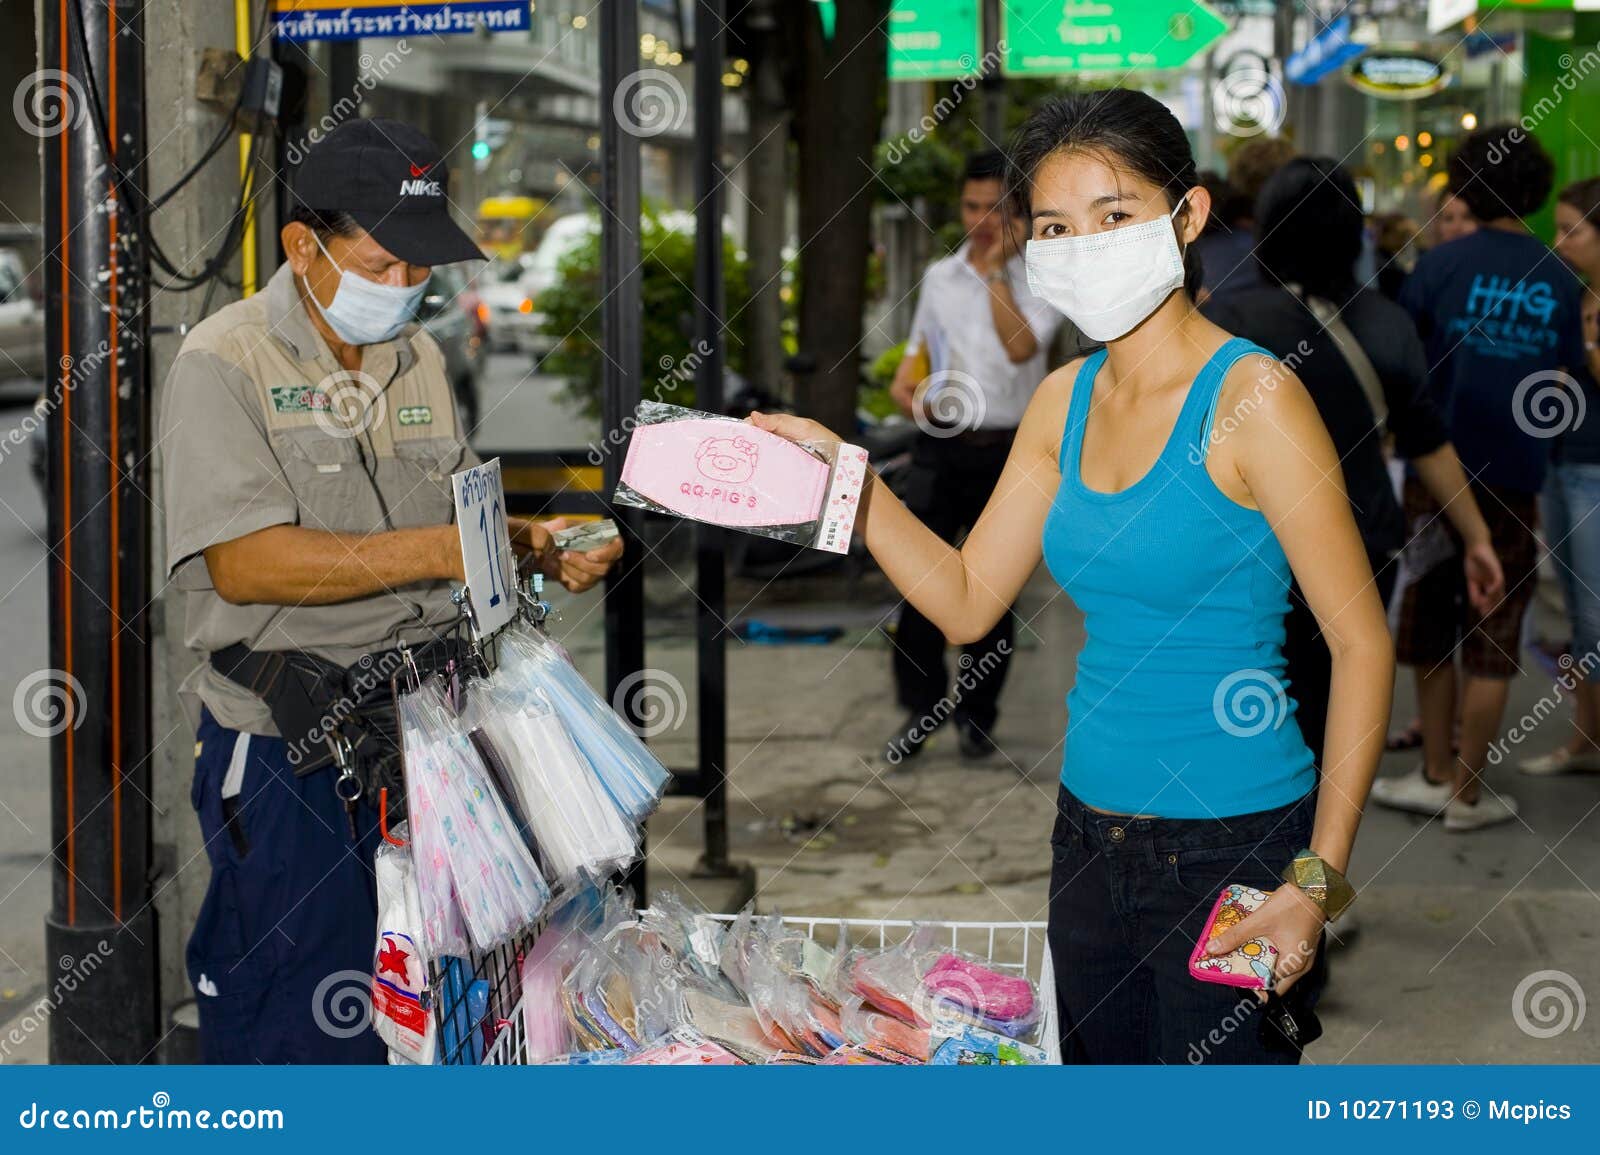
x=1252 y=963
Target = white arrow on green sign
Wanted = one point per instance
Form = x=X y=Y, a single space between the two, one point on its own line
x=1059 y=36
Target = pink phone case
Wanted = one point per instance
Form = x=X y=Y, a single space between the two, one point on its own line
x=1250 y=965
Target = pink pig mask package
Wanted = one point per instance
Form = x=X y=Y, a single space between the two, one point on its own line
x=727 y=472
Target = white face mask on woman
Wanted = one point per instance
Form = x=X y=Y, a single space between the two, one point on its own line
x=1106 y=283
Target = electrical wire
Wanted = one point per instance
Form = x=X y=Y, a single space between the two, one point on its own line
x=142 y=207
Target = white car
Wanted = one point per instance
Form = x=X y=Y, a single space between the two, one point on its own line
x=542 y=268
x=510 y=323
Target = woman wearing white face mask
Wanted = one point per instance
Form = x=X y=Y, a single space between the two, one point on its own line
x=1173 y=482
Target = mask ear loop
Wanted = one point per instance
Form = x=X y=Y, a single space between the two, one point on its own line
x=1183 y=248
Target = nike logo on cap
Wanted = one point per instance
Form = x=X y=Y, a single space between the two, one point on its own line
x=420 y=169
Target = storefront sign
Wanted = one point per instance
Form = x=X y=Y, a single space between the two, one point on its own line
x=307 y=20
x=1399 y=75
x=1444 y=14
x=1051 y=37
x=934 y=39
x=1325 y=53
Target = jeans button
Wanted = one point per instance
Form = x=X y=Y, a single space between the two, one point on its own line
x=1116 y=834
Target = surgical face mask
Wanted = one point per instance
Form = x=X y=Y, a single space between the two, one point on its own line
x=1106 y=283
x=364 y=312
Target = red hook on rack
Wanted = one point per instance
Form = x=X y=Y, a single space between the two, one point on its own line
x=383 y=820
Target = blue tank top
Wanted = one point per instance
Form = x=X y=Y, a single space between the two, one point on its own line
x=1181 y=707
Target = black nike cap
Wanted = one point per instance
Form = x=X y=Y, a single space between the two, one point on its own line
x=391 y=180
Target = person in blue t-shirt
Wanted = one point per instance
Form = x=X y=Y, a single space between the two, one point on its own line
x=1499 y=314
x=1571 y=505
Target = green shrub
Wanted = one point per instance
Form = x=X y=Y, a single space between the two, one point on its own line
x=572 y=310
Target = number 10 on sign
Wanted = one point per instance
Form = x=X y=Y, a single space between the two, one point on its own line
x=486 y=555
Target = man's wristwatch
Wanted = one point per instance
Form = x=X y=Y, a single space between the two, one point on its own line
x=1324 y=885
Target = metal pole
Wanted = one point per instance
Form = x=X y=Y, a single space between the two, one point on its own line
x=101 y=927
x=619 y=323
x=710 y=543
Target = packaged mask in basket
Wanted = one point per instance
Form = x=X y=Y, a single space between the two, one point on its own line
x=987 y=997
x=727 y=472
x=864 y=1026
x=891 y=979
x=954 y=1043
x=863 y=1055
x=734 y=1026
x=685 y=1048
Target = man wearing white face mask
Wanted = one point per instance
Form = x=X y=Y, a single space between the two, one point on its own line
x=308 y=434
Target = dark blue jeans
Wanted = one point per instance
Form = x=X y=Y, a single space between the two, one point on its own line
x=1128 y=900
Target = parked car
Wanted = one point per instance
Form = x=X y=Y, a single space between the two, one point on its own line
x=21 y=331
x=542 y=269
x=510 y=312
x=449 y=314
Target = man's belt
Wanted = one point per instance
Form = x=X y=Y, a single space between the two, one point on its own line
x=332 y=715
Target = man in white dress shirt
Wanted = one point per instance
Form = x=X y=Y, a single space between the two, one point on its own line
x=975 y=355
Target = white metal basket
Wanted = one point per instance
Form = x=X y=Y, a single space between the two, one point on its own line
x=1018 y=947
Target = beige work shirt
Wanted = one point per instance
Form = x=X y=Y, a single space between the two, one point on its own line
x=259 y=427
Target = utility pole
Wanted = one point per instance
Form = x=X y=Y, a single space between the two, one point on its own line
x=100 y=928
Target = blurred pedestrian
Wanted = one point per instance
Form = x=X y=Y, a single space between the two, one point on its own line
x=1360 y=358
x=1571 y=504
x=974 y=358
x=1499 y=314
x=1394 y=237
x=1229 y=234
x=1452 y=219
x=1249 y=168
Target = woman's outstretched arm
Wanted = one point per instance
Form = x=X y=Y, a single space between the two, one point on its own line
x=964 y=591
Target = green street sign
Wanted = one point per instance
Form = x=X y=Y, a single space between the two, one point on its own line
x=935 y=39
x=1051 y=37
